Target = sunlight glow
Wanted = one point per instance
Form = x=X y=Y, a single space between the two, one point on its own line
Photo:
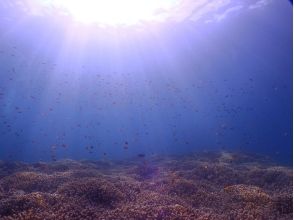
x=114 y=12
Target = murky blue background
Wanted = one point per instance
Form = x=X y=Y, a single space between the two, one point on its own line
x=82 y=92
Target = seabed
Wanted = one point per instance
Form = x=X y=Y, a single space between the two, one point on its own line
x=207 y=185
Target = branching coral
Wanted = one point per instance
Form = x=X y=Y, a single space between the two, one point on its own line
x=146 y=170
x=32 y=182
x=93 y=190
x=205 y=186
x=248 y=193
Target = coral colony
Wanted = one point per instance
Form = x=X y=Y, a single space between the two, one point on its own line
x=200 y=186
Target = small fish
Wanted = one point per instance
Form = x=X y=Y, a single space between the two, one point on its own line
x=52 y=146
x=141 y=155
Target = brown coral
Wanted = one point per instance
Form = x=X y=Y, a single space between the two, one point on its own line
x=32 y=182
x=93 y=190
x=248 y=193
x=198 y=186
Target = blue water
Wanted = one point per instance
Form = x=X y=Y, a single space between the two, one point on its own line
x=83 y=92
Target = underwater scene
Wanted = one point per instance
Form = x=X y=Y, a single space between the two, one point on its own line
x=164 y=110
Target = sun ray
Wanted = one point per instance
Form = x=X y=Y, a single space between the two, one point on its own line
x=112 y=12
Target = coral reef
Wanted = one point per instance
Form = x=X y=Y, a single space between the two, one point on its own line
x=203 y=186
x=95 y=191
x=145 y=170
x=248 y=193
x=283 y=204
x=32 y=182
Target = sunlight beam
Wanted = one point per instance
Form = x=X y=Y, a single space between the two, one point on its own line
x=113 y=12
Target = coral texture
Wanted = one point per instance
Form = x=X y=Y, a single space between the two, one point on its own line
x=199 y=186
